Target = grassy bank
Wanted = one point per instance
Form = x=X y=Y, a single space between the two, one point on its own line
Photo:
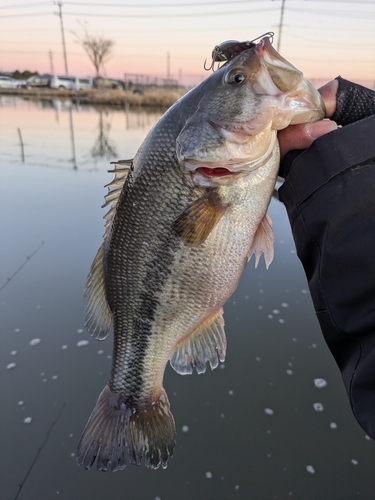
x=153 y=97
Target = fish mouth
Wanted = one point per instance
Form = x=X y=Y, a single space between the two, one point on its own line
x=210 y=172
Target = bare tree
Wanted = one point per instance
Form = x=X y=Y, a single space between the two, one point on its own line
x=97 y=48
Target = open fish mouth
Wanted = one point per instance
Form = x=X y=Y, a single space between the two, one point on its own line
x=215 y=172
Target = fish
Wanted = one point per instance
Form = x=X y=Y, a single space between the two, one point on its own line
x=185 y=216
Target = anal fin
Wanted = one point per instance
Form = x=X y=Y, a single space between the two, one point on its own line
x=263 y=242
x=205 y=343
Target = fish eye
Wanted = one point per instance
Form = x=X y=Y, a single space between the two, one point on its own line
x=235 y=76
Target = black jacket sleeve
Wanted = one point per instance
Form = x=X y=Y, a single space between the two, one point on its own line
x=329 y=193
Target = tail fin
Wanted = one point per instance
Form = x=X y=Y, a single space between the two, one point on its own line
x=116 y=434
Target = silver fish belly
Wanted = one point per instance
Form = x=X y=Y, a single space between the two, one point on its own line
x=185 y=217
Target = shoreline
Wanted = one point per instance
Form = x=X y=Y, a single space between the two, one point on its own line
x=147 y=97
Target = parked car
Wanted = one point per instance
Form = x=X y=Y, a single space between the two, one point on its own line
x=38 y=81
x=10 y=83
x=62 y=82
x=84 y=83
x=108 y=83
x=70 y=83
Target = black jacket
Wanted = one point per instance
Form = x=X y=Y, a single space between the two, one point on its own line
x=329 y=193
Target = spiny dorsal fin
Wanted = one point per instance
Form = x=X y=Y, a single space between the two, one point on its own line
x=197 y=221
x=263 y=242
x=98 y=315
x=121 y=171
x=206 y=343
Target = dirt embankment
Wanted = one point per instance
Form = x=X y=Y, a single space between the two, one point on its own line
x=154 y=97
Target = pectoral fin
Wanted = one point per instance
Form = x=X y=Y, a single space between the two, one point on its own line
x=263 y=242
x=197 y=221
x=206 y=343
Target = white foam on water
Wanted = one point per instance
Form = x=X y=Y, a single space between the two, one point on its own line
x=34 y=342
x=320 y=383
x=318 y=407
x=82 y=343
x=11 y=366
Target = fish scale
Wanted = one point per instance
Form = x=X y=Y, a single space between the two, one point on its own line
x=185 y=217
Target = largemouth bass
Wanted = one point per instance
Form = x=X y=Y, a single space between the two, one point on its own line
x=186 y=215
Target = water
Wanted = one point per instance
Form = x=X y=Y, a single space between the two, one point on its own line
x=261 y=426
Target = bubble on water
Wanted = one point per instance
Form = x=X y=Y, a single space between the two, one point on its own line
x=64 y=347
x=157 y=498
x=247 y=297
x=208 y=475
x=82 y=343
x=234 y=302
x=318 y=407
x=320 y=383
x=305 y=292
x=20 y=403
x=276 y=311
x=100 y=352
x=260 y=307
x=314 y=346
x=54 y=377
x=333 y=425
x=17 y=330
x=268 y=411
x=230 y=393
x=270 y=316
x=354 y=461
x=294 y=339
x=80 y=330
x=185 y=428
x=27 y=420
x=222 y=366
x=237 y=487
x=367 y=437
x=38 y=307
x=11 y=366
x=290 y=364
x=261 y=290
x=257 y=358
x=310 y=469
x=13 y=353
x=222 y=415
x=34 y=342
x=109 y=356
x=289 y=372
x=72 y=454
x=285 y=305
x=282 y=321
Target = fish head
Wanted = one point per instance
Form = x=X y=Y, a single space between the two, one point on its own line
x=234 y=127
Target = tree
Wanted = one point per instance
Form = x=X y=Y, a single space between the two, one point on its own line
x=97 y=48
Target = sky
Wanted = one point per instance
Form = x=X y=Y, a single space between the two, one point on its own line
x=164 y=37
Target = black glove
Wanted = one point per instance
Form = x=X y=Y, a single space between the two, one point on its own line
x=354 y=102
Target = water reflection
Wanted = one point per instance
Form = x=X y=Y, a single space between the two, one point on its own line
x=273 y=422
x=103 y=147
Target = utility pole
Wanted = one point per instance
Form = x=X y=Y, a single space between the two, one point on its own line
x=280 y=25
x=51 y=62
x=59 y=4
x=168 y=67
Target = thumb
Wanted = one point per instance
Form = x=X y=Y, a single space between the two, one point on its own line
x=302 y=136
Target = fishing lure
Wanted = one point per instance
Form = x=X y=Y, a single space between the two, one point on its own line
x=225 y=51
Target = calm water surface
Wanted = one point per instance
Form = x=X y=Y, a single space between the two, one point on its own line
x=272 y=422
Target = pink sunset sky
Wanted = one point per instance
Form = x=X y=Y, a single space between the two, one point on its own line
x=321 y=38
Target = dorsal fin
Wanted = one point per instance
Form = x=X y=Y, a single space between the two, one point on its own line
x=121 y=171
x=98 y=315
x=205 y=343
